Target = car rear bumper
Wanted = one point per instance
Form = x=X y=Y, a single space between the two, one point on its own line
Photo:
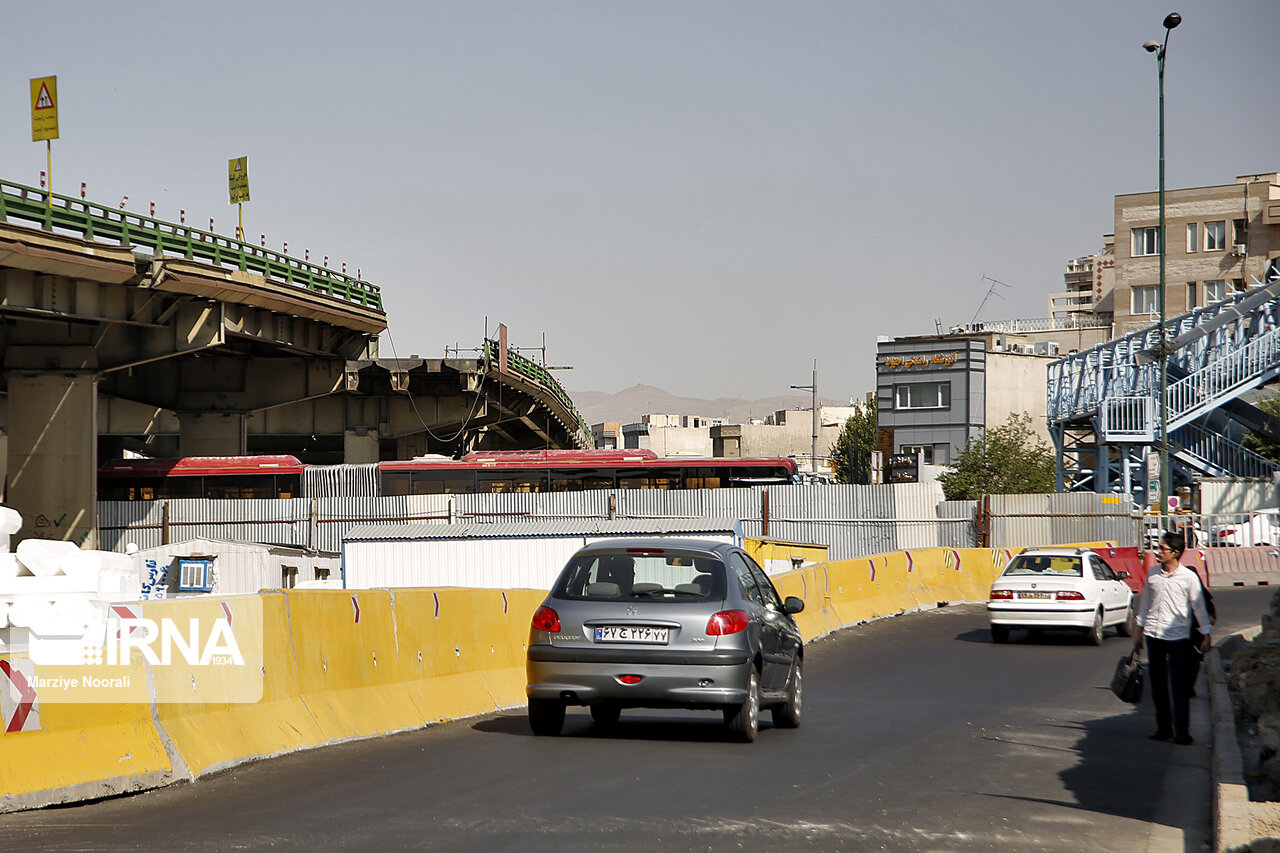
x=668 y=678
x=1075 y=616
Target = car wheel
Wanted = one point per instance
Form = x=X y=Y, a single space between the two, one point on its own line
x=1129 y=626
x=999 y=633
x=606 y=715
x=1094 y=635
x=787 y=715
x=744 y=720
x=546 y=716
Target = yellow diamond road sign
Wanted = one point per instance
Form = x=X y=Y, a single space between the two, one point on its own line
x=44 y=108
x=238 y=172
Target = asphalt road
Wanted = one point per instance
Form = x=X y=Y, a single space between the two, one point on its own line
x=919 y=735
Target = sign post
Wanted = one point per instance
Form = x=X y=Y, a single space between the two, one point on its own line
x=44 y=120
x=238 y=181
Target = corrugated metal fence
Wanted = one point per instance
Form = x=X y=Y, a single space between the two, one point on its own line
x=850 y=520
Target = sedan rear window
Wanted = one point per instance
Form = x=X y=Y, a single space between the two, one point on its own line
x=1044 y=564
x=669 y=576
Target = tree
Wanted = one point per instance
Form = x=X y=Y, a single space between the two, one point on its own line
x=1009 y=459
x=1261 y=443
x=856 y=441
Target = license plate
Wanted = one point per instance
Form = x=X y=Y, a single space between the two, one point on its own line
x=1035 y=595
x=632 y=634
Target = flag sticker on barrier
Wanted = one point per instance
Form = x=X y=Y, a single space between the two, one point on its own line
x=911 y=563
x=436 y=597
x=952 y=559
x=355 y=605
x=872 y=564
x=504 y=601
x=226 y=611
x=19 y=706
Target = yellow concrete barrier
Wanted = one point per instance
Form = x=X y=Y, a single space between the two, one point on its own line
x=344 y=664
x=212 y=736
x=348 y=664
x=82 y=751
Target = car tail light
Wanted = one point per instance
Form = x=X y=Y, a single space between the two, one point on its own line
x=1070 y=595
x=727 y=622
x=546 y=619
x=1002 y=593
x=630 y=679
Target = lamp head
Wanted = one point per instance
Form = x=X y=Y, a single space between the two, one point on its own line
x=1172 y=20
x=1151 y=46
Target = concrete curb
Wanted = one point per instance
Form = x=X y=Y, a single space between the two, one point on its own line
x=1233 y=812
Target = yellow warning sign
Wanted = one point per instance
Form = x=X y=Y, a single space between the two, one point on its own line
x=44 y=108
x=238 y=171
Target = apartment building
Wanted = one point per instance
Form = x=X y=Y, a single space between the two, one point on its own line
x=1221 y=240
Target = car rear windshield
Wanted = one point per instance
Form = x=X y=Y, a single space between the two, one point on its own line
x=642 y=576
x=1045 y=564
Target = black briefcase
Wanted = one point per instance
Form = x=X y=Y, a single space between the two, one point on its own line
x=1127 y=681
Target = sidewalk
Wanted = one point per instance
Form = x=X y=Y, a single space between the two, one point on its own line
x=1239 y=825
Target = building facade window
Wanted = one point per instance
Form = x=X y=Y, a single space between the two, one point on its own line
x=1193 y=236
x=925 y=451
x=1237 y=231
x=1146 y=299
x=1215 y=236
x=1214 y=291
x=923 y=395
x=1146 y=241
x=1191 y=295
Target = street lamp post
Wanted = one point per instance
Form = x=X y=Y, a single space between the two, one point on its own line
x=1170 y=21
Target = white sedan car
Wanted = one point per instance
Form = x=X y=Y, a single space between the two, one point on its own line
x=1071 y=588
x=1262 y=527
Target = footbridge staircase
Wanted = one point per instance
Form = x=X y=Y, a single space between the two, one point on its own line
x=1104 y=403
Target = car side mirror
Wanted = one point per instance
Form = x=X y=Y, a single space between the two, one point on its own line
x=1121 y=575
x=793 y=604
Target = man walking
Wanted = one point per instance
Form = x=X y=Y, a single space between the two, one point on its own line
x=1171 y=600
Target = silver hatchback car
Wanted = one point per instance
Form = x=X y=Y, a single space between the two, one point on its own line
x=665 y=623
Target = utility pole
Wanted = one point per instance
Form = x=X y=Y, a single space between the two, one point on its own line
x=816 y=419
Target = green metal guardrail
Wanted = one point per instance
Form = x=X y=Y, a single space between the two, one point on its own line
x=538 y=374
x=96 y=222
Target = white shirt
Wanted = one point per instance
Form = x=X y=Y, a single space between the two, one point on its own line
x=1169 y=600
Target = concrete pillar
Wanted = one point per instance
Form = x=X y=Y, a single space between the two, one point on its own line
x=211 y=434
x=359 y=446
x=53 y=454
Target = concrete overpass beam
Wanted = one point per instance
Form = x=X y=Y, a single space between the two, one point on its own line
x=211 y=434
x=359 y=446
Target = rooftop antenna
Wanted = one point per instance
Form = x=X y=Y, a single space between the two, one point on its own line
x=937 y=325
x=991 y=291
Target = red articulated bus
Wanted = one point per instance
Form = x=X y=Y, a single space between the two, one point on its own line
x=216 y=477
x=577 y=470
x=231 y=477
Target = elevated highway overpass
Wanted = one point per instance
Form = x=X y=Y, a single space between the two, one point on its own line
x=125 y=332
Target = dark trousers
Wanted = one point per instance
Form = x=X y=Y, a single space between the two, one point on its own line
x=1169 y=665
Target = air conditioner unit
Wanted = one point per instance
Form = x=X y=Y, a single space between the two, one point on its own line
x=1239 y=249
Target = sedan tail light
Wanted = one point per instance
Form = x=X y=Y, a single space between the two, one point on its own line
x=1001 y=593
x=727 y=622
x=546 y=619
x=1070 y=595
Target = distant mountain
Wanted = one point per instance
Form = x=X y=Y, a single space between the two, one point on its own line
x=628 y=405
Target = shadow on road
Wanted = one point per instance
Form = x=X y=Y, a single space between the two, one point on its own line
x=1050 y=637
x=1122 y=773
x=639 y=724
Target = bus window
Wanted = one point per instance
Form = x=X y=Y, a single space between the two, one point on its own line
x=578 y=479
x=396 y=483
x=655 y=478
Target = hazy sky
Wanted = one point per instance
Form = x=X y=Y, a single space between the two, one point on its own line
x=702 y=195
